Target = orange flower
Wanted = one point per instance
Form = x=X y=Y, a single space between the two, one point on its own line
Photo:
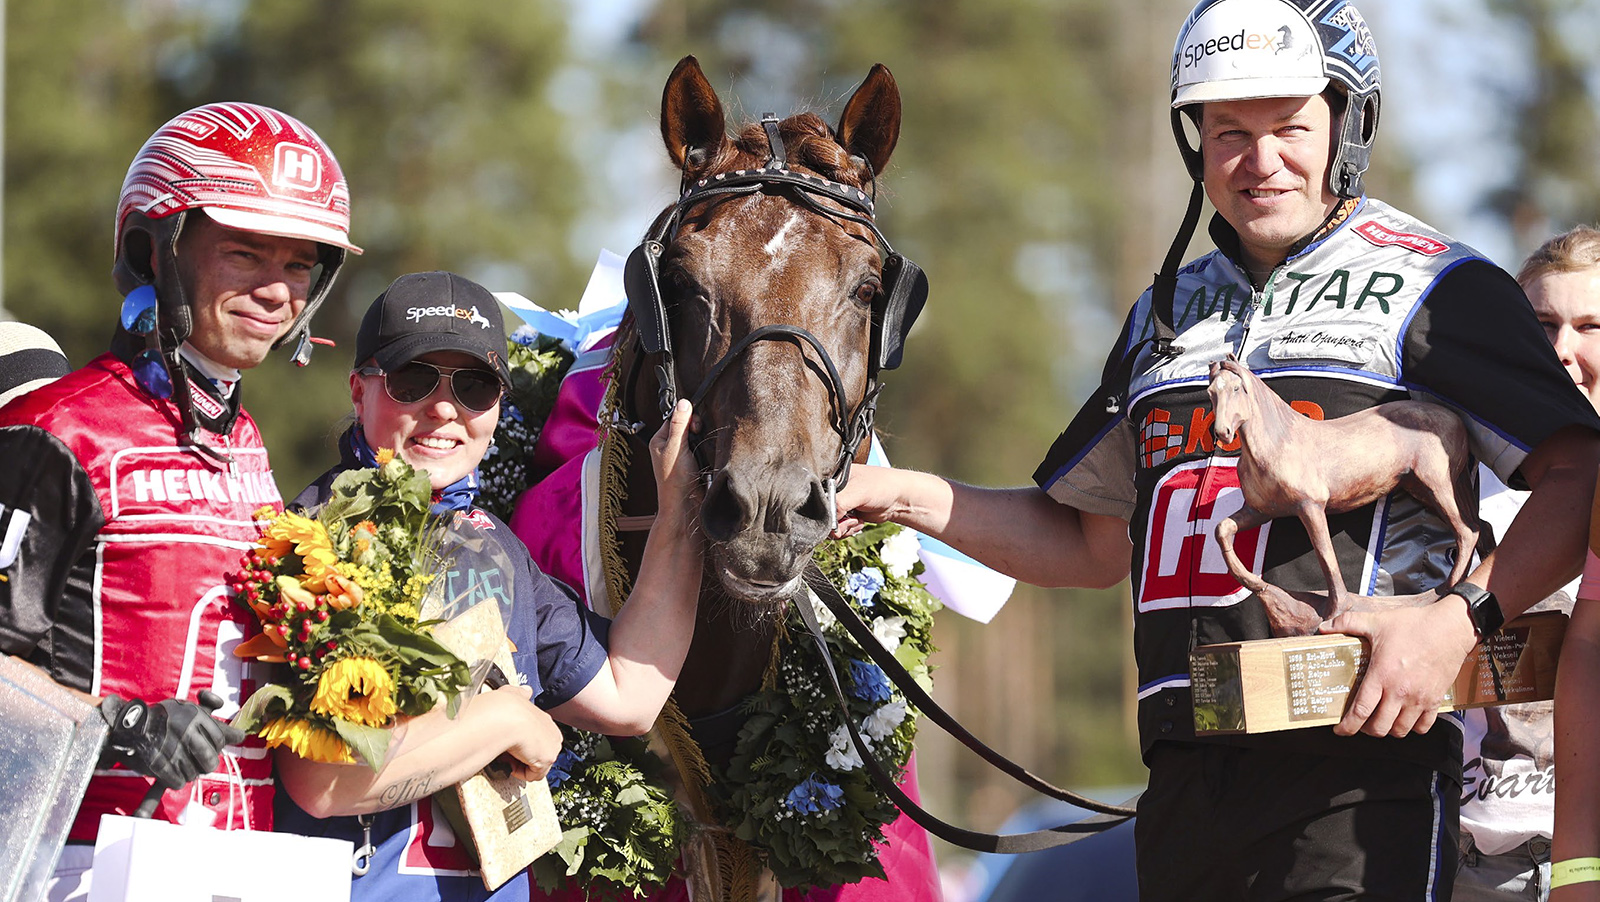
x=343 y=593
x=269 y=646
x=384 y=455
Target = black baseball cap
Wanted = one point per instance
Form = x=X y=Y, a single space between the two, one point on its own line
x=423 y=312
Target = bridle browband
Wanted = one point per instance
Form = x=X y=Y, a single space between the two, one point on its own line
x=902 y=294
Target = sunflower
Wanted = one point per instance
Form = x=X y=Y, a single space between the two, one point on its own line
x=305 y=537
x=359 y=690
x=308 y=740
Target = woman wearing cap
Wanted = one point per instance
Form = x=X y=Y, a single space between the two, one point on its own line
x=428 y=377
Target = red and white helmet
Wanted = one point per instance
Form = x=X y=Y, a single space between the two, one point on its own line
x=248 y=167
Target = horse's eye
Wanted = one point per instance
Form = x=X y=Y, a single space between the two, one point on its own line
x=867 y=291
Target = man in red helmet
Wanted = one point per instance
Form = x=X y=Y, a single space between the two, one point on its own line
x=1339 y=302
x=131 y=483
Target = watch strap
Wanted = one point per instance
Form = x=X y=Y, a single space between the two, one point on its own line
x=1487 y=618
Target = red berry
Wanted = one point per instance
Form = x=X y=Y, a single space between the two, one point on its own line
x=305 y=663
x=322 y=616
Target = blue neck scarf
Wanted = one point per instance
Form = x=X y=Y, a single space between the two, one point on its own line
x=457 y=496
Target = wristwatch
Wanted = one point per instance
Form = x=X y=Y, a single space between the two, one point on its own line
x=1487 y=617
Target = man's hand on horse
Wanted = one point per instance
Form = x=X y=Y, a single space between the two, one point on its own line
x=869 y=497
x=1415 y=654
x=677 y=474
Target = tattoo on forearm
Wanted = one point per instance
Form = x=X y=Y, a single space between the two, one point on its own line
x=407 y=790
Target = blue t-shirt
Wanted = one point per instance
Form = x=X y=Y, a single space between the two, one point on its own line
x=560 y=646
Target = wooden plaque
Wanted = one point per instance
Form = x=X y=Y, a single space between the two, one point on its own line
x=510 y=821
x=1306 y=681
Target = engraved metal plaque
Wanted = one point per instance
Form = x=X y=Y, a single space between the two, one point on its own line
x=518 y=813
x=1319 y=680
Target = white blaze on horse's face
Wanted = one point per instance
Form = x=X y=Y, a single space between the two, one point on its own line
x=774 y=247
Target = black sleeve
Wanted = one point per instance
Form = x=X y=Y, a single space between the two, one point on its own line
x=1092 y=418
x=1475 y=344
x=49 y=515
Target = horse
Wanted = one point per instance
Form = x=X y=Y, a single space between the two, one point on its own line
x=1292 y=465
x=768 y=295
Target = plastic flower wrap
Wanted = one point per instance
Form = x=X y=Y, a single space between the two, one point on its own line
x=339 y=599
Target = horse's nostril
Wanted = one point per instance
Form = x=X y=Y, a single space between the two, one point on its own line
x=818 y=504
x=725 y=512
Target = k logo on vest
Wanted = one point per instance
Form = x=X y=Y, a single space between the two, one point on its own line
x=1183 y=564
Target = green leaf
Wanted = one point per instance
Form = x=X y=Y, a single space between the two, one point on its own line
x=633 y=795
x=370 y=744
x=264 y=705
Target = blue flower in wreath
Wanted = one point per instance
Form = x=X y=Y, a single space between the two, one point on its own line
x=561 y=770
x=864 y=585
x=812 y=796
x=868 y=682
x=510 y=411
x=525 y=335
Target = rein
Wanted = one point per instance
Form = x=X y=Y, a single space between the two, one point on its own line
x=1108 y=816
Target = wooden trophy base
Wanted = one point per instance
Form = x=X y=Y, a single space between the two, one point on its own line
x=1264 y=685
x=509 y=821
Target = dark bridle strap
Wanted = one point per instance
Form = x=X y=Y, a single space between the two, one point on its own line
x=852 y=429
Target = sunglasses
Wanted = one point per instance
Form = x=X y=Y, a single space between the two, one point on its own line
x=474 y=388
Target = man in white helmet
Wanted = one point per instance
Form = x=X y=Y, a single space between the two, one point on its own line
x=130 y=484
x=1339 y=302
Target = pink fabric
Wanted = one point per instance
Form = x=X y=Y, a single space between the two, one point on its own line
x=549 y=519
x=571 y=430
x=1589 y=587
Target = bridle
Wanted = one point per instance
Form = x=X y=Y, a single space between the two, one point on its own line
x=903 y=292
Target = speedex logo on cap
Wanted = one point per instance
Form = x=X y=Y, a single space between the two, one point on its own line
x=415 y=314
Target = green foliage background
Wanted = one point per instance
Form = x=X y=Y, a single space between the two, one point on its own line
x=1035 y=181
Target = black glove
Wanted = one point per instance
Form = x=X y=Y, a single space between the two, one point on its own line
x=173 y=741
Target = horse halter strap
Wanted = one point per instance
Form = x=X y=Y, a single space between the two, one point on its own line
x=904 y=290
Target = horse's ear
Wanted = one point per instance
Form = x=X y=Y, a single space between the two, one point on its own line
x=692 y=124
x=870 y=125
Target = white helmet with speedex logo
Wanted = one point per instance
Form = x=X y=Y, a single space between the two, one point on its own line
x=1249 y=49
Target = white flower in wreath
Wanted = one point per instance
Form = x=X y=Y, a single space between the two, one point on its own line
x=882 y=722
x=825 y=618
x=842 y=755
x=889 y=631
x=899 y=553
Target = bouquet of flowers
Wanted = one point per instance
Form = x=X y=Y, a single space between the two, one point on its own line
x=339 y=600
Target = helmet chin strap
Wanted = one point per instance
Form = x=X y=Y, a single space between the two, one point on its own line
x=331 y=259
